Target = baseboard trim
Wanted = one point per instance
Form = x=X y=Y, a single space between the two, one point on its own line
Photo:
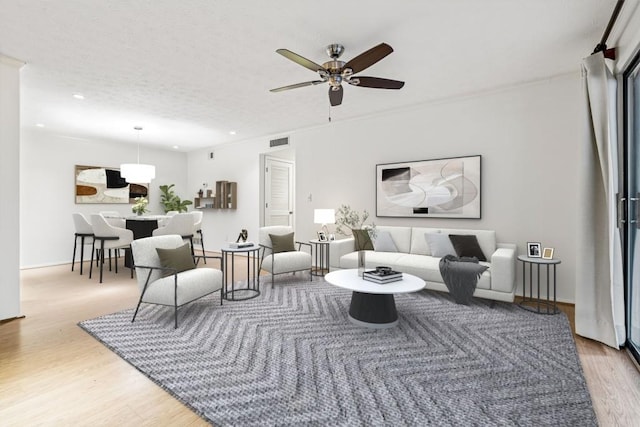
x=11 y=319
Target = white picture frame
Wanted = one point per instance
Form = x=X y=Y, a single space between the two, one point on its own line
x=547 y=253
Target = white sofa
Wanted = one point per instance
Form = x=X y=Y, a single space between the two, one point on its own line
x=414 y=257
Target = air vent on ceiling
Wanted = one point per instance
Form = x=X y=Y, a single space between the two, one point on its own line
x=278 y=142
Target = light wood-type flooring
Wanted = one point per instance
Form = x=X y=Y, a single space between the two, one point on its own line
x=54 y=373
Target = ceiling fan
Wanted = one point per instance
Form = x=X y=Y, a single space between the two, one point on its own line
x=337 y=72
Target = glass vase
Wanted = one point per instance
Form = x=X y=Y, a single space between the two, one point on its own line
x=361 y=262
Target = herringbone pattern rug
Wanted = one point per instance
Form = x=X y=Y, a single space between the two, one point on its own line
x=291 y=357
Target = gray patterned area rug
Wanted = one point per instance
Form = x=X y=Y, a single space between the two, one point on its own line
x=291 y=357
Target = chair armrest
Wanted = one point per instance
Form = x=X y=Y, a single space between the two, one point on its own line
x=503 y=268
x=303 y=243
x=218 y=257
x=123 y=233
x=339 y=248
x=175 y=271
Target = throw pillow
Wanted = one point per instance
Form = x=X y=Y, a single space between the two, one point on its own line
x=439 y=244
x=384 y=242
x=362 y=240
x=179 y=258
x=282 y=243
x=467 y=246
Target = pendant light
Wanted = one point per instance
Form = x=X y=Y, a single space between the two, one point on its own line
x=137 y=172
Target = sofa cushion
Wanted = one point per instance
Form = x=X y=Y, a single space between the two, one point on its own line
x=372 y=259
x=384 y=242
x=439 y=244
x=467 y=246
x=428 y=268
x=419 y=244
x=401 y=236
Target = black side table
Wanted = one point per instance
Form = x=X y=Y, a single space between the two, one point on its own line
x=321 y=250
x=530 y=303
x=253 y=279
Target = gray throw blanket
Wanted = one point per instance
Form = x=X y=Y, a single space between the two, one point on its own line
x=461 y=276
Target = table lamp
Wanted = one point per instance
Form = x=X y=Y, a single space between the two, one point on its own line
x=324 y=217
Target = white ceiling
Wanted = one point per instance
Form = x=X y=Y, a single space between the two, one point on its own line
x=191 y=71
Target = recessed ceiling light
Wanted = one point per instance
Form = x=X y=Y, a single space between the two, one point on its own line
x=232 y=132
x=78 y=96
x=40 y=125
x=175 y=147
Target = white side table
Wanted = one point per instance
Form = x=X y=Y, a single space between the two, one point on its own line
x=538 y=305
x=252 y=289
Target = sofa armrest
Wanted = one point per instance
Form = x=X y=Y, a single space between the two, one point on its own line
x=339 y=248
x=503 y=268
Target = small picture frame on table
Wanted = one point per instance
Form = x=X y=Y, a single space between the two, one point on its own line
x=534 y=250
x=547 y=253
x=332 y=237
x=322 y=236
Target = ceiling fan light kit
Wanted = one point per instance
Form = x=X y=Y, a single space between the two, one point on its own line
x=336 y=72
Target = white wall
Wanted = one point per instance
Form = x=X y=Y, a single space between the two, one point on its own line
x=527 y=136
x=47 y=189
x=239 y=163
x=9 y=186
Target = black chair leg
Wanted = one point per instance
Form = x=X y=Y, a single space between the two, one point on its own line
x=93 y=250
x=102 y=259
x=81 y=254
x=75 y=243
x=202 y=245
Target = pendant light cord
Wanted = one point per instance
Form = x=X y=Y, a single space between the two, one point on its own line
x=138 y=128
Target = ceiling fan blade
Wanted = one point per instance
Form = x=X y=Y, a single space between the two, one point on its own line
x=300 y=60
x=297 y=85
x=368 y=58
x=376 y=82
x=335 y=96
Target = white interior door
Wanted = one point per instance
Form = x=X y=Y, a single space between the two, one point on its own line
x=278 y=194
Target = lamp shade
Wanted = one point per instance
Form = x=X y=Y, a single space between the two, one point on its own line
x=137 y=173
x=324 y=216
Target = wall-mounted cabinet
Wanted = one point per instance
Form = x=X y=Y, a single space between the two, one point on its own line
x=225 y=197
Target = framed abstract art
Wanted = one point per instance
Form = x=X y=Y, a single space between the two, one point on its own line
x=439 y=188
x=99 y=184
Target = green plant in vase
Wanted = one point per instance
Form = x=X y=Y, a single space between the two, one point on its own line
x=355 y=221
x=140 y=205
x=170 y=201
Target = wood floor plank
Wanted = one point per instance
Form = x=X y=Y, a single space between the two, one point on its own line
x=53 y=373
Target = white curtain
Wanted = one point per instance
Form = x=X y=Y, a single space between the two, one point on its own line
x=599 y=279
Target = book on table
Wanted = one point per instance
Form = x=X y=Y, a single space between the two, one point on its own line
x=379 y=276
x=240 y=245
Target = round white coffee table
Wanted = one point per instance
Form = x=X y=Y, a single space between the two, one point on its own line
x=372 y=304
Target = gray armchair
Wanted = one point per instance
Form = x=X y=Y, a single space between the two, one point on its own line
x=289 y=261
x=178 y=287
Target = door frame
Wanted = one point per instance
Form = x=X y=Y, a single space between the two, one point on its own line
x=263 y=181
x=627 y=125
